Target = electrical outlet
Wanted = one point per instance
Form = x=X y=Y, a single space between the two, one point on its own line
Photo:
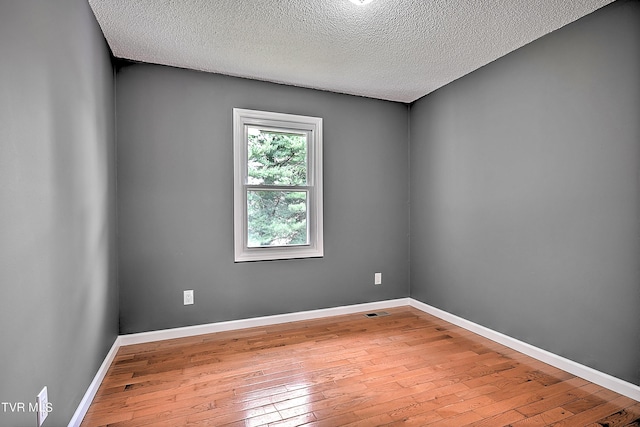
x=42 y=400
x=377 y=279
x=188 y=297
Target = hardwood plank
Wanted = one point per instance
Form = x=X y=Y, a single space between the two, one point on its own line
x=544 y=418
x=408 y=368
x=502 y=419
x=620 y=418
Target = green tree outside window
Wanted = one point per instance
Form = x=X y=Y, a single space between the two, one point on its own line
x=276 y=216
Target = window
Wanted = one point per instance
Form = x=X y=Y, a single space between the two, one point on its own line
x=277 y=186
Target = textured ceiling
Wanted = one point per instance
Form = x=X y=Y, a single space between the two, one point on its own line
x=397 y=50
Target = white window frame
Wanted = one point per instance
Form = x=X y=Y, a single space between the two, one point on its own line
x=312 y=126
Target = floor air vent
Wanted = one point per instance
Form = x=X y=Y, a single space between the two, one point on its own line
x=377 y=314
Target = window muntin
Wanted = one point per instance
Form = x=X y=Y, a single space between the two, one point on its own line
x=278 y=186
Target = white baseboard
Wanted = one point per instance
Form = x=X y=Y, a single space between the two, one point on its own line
x=232 y=325
x=605 y=380
x=83 y=407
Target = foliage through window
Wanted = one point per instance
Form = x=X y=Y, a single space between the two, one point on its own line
x=278 y=186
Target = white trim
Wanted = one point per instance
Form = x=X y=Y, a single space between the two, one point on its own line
x=605 y=380
x=83 y=407
x=232 y=325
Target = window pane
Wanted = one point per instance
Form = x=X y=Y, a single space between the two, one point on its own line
x=276 y=218
x=276 y=158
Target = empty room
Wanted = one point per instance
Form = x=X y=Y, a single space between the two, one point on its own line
x=343 y=212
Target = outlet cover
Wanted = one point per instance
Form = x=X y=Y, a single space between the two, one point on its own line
x=42 y=399
x=188 y=297
x=377 y=279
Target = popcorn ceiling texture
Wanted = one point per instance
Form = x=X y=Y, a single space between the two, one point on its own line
x=398 y=50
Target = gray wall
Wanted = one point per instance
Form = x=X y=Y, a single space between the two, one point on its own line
x=525 y=190
x=175 y=193
x=58 y=303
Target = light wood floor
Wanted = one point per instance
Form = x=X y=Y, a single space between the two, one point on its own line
x=408 y=368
